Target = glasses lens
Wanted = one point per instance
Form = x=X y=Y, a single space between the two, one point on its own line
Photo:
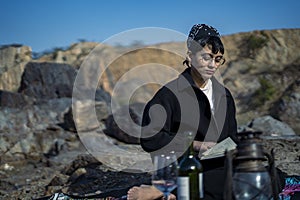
x=219 y=61
x=209 y=58
x=222 y=61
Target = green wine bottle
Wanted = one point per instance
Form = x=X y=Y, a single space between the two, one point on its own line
x=190 y=174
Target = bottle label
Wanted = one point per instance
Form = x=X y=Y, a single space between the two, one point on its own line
x=201 y=190
x=183 y=188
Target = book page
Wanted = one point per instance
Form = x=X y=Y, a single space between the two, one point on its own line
x=219 y=149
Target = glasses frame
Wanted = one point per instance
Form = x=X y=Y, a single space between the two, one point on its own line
x=205 y=58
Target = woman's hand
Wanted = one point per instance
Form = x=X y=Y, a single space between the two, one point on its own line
x=202 y=146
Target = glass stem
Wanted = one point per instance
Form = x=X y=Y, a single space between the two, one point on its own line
x=166 y=196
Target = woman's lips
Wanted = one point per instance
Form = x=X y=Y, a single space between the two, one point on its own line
x=210 y=72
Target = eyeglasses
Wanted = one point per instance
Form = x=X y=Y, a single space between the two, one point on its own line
x=219 y=60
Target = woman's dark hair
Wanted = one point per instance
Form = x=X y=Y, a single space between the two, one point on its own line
x=213 y=42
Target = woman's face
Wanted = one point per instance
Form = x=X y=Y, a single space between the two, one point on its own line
x=206 y=63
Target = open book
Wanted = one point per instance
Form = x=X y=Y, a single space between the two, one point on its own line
x=219 y=149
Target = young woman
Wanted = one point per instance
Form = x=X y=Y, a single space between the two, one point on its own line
x=194 y=101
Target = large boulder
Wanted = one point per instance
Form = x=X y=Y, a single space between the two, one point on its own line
x=48 y=80
x=13 y=59
x=271 y=127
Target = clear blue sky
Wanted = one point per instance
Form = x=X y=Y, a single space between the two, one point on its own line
x=45 y=24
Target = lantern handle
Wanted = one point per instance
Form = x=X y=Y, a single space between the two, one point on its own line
x=227 y=195
x=273 y=174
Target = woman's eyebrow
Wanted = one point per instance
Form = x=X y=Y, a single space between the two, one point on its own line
x=212 y=55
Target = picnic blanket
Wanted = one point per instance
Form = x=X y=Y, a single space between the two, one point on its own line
x=291 y=189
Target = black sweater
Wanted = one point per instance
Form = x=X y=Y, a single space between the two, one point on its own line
x=181 y=106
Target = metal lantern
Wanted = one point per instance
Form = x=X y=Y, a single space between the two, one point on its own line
x=249 y=176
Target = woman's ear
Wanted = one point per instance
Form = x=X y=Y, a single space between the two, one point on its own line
x=189 y=55
x=188 y=60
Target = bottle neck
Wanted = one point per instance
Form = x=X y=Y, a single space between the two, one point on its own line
x=191 y=151
x=188 y=151
x=189 y=145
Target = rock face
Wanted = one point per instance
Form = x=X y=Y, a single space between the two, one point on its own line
x=286 y=153
x=135 y=115
x=47 y=80
x=81 y=117
x=14 y=100
x=12 y=62
x=261 y=67
x=287 y=108
x=28 y=131
x=270 y=126
x=74 y=55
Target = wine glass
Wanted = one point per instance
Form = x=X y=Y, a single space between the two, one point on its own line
x=165 y=173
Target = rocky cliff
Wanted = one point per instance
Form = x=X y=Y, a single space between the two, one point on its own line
x=262 y=69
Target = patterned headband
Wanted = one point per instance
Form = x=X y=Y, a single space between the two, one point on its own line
x=200 y=31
